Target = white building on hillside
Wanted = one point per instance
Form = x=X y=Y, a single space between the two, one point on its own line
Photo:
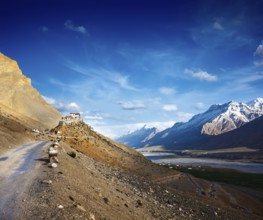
x=75 y=115
x=71 y=118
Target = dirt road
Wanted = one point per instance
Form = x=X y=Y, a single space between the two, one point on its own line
x=18 y=168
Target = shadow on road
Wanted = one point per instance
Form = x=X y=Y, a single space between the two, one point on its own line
x=3 y=158
x=42 y=159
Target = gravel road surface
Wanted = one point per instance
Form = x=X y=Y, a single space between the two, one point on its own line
x=18 y=168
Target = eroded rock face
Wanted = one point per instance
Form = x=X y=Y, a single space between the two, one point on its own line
x=18 y=94
x=8 y=65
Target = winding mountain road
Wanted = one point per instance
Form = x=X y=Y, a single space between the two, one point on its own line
x=18 y=168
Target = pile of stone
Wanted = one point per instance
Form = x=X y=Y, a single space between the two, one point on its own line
x=53 y=153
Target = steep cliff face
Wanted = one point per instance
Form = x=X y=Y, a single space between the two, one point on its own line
x=18 y=95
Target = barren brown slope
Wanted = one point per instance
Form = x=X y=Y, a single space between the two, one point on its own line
x=18 y=95
x=82 y=137
x=85 y=188
x=12 y=132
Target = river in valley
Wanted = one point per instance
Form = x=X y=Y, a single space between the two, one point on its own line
x=167 y=158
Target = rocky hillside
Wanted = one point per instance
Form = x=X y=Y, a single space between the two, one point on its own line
x=18 y=95
x=84 y=139
x=97 y=178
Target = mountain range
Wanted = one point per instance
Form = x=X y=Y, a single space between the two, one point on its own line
x=102 y=179
x=222 y=125
x=138 y=137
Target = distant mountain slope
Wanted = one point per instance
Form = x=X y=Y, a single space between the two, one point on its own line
x=218 y=119
x=138 y=137
x=233 y=115
x=250 y=135
x=18 y=95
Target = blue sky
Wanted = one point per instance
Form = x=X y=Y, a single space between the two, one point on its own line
x=123 y=64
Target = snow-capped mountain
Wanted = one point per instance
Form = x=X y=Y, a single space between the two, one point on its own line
x=138 y=137
x=256 y=104
x=232 y=115
x=218 y=119
x=249 y=135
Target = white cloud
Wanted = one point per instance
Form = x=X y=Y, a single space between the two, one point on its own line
x=73 y=106
x=218 y=26
x=167 y=90
x=122 y=81
x=93 y=117
x=44 y=29
x=259 y=50
x=259 y=54
x=70 y=26
x=132 y=105
x=199 y=105
x=169 y=108
x=258 y=62
x=62 y=107
x=202 y=75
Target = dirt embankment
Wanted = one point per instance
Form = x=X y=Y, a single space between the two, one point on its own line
x=81 y=137
x=84 y=188
x=107 y=180
x=12 y=132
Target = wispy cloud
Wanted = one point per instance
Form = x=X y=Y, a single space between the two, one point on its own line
x=258 y=62
x=44 y=29
x=94 y=119
x=70 y=26
x=259 y=55
x=218 y=26
x=121 y=80
x=132 y=105
x=202 y=75
x=62 y=107
x=184 y=116
x=101 y=74
x=250 y=78
x=199 y=105
x=259 y=50
x=169 y=108
x=167 y=91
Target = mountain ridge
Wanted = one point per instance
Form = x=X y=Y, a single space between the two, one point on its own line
x=139 y=136
x=217 y=120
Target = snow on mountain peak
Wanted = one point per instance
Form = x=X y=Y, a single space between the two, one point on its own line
x=257 y=103
x=233 y=115
x=218 y=119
